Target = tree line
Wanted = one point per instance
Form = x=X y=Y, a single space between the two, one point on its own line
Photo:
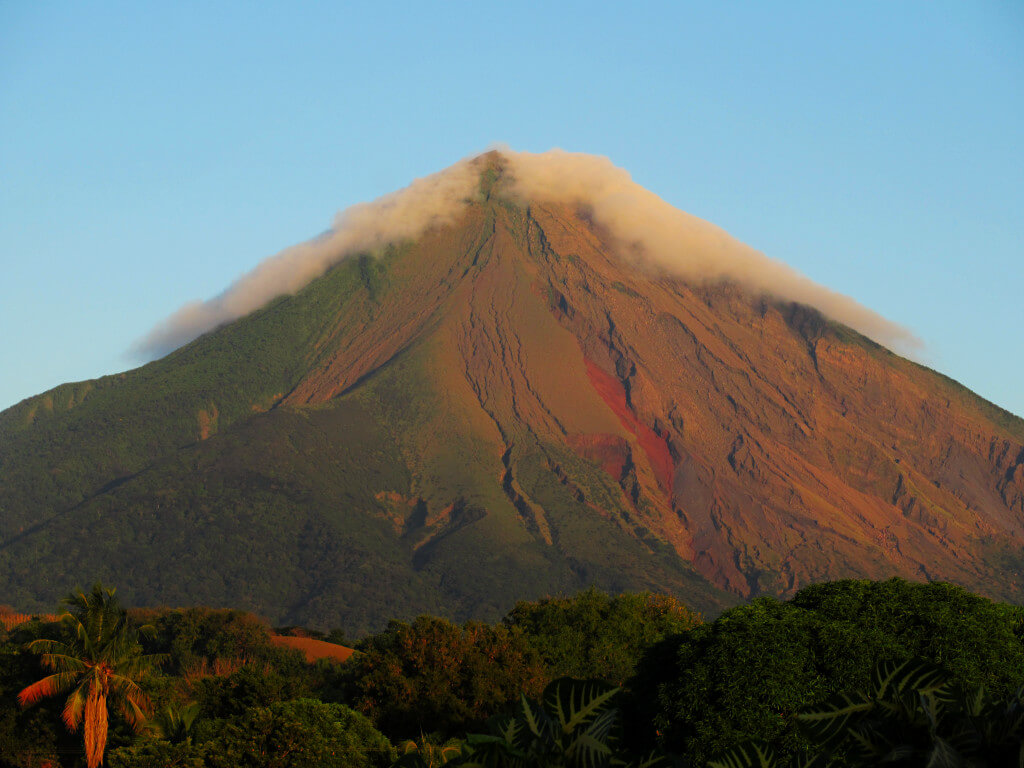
x=844 y=673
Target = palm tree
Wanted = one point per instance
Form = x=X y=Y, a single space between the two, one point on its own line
x=174 y=724
x=100 y=662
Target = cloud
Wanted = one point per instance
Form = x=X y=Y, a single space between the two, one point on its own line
x=434 y=200
x=651 y=233
x=660 y=237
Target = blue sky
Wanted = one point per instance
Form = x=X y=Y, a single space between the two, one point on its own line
x=151 y=153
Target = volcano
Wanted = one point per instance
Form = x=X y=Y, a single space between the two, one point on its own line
x=502 y=407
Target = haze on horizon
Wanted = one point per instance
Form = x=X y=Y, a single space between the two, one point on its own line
x=154 y=155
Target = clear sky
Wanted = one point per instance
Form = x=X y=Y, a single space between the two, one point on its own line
x=152 y=152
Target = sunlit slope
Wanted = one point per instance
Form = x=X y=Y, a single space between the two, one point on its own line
x=799 y=449
x=499 y=410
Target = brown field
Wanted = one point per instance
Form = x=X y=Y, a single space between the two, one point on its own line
x=9 y=618
x=314 y=650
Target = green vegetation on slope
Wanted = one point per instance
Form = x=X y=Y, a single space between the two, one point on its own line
x=64 y=446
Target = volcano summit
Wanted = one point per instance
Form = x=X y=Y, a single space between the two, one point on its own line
x=518 y=377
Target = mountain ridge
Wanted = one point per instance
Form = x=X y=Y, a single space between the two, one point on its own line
x=521 y=406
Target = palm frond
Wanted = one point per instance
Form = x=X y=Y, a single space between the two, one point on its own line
x=43 y=645
x=175 y=723
x=62 y=662
x=895 y=677
x=82 y=637
x=136 y=665
x=75 y=600
x=601 y=726
x=74 y=707
x=575 y=702
x=537 y=722
x=588 y=752
x=831 y=719
x=486 y=751
x=511 y=729
x=863 y=743
x=124 y=687
x=51 y=685
x=133 y=712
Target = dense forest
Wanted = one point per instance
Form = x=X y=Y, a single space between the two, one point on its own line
x=847 y=673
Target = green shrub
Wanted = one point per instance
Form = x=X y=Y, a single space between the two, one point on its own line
x=433 y=676
x=595 y=635
x=157 y=754
x=910 y=714
x=744 y=675
x=976 y=640
x=251 y=686
x=196 y=639
x=298 y=734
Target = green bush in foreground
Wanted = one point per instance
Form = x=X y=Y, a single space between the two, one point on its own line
x=911 y=714
x=574 y=725
x=745 y=675
x=298 y=733
x=290 y=734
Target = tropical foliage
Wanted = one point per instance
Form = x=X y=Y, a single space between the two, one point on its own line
x=597 y=635
x=174 y=723
x=746 y=674
x=845 y=674
x=426 y=754
x=296 y=734
x=574 y=725
x=911 y=714
x=432 y=676
x=99 y=661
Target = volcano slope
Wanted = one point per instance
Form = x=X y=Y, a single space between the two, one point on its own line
x=498 y=410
